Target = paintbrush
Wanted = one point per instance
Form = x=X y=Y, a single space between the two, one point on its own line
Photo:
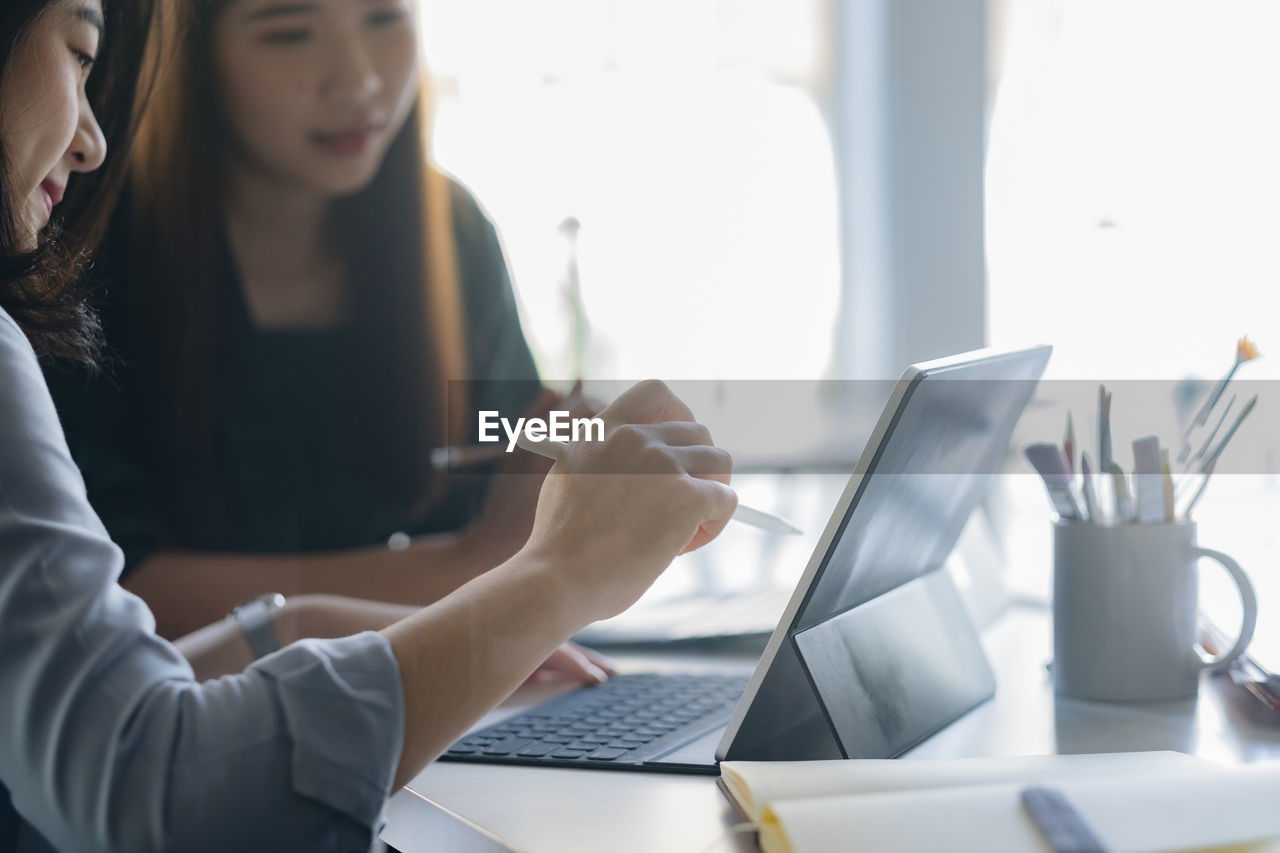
x=1246 y=350
x=1207 y=468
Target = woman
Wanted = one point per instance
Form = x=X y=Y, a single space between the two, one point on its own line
x=106 y=741
x=294 y=295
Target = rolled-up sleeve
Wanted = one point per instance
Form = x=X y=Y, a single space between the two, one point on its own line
x=107 y=742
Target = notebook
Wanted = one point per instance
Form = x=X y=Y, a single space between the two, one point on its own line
x=1124 y=802
x=752 y=786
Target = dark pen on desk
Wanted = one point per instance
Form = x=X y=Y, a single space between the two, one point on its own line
x=1059 y=822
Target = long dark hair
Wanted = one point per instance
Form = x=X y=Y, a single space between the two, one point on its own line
x=41 y=288
x=398 y=231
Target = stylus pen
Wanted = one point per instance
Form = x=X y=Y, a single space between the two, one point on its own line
x=747 y=515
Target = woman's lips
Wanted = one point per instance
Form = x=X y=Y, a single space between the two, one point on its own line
x=345 y=143
x=51 y=195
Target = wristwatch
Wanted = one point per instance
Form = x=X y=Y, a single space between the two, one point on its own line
x=254 y=617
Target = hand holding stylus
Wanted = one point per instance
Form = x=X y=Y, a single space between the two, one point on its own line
x=745 y=514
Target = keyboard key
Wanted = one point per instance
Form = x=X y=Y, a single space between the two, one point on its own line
x=607 y=754
x=624 y=743
x=505 y=747
x=537 y=750
x=568 y=753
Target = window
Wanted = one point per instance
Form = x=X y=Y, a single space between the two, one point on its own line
x=1132 y=180
x=686 y=139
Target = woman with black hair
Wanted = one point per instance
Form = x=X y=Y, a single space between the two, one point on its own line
x=106 y=740
x=303 y=307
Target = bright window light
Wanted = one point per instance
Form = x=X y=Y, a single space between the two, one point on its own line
x=685 y=138
x=1132 y=179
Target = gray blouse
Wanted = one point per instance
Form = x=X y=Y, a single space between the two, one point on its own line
x=106 y=740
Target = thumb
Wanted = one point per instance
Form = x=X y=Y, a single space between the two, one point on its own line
x=720 y=503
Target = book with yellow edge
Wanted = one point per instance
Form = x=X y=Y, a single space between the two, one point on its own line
x=1132 y=801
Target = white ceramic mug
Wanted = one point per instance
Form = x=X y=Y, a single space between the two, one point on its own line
x=1125 y=609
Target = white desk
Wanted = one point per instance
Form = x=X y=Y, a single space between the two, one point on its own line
x=464 y=808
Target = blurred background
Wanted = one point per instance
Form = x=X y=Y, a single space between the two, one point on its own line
x=832 y=189
x=835 y=188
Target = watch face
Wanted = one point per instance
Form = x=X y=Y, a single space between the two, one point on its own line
x=254 y=618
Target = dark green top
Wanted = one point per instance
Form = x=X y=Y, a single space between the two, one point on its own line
x=289 y=430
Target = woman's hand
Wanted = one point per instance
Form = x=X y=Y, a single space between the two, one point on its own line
x=613 y=514
x=573 y=663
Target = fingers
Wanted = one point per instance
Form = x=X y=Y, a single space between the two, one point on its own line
x=682 y=433
x=704 y=462
x=575 y=403
x=648 y=402
x=571 y=662
x=690 y=444
x=667 y=448
x=606 y=663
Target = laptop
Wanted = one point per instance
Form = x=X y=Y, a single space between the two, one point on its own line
x=874 y=651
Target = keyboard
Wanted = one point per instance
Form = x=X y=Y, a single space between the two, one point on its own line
x=623 y=724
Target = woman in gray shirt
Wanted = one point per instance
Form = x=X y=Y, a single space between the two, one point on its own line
x=106 y=740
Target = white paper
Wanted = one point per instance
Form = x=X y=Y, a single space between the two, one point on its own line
x=1184 y=809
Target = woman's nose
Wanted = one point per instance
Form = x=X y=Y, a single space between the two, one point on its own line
x=353 y=76
x=88 y=148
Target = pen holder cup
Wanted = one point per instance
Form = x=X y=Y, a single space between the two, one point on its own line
x=1125 y=611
